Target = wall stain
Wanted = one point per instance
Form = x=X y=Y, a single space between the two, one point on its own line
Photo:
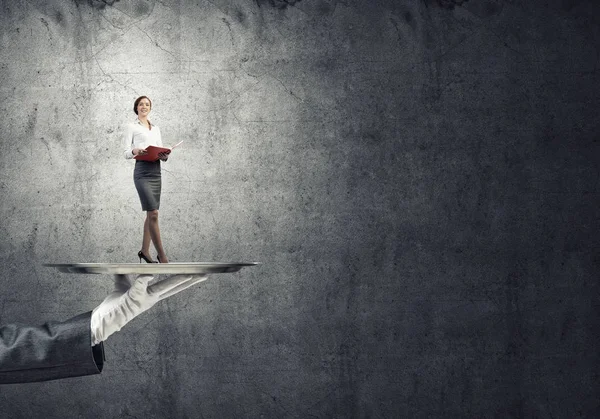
x=59 y=18
x=97 y=4
x=142 y=9
x=31 y=123
x=240 y=16
x=45 y=23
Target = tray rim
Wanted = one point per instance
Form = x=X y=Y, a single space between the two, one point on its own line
x=150 y=268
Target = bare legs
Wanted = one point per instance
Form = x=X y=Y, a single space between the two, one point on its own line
x=152 y=233
x=146 y=239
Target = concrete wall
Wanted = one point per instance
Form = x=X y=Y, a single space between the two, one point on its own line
x=420 y=181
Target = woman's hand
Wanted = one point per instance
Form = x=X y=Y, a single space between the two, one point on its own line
x=164 y=155
x=139 y=151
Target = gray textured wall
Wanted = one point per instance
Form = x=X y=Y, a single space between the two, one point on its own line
x=419 y=180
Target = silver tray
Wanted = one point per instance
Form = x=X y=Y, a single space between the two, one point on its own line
x=151 y=268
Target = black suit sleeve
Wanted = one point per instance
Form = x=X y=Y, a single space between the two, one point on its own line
x=49 y=352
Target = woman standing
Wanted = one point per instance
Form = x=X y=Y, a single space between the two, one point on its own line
x=146 y=176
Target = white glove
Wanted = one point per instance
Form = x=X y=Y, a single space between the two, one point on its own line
x=130 y=299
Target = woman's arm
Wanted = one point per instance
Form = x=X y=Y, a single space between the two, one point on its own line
x=158 y=137
x=162 y=156
x=128 y=142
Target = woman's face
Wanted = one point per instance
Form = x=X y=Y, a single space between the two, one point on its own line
x=144 y=107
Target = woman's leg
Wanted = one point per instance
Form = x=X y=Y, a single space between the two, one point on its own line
x=152 y=220
x=146 y=239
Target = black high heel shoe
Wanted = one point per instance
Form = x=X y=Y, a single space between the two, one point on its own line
x=143 y=256
x=158 y=258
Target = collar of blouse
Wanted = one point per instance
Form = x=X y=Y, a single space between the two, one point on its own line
x=137 y=121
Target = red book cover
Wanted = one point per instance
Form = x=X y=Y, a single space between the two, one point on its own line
x=153 y=151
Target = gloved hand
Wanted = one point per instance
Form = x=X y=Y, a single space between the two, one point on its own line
x=131 y=298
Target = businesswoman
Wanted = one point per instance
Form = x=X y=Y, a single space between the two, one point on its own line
x=138 y=136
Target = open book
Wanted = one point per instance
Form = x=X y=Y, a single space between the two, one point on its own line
x=154 y=151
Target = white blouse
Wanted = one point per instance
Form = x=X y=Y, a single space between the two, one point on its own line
x=138 y=136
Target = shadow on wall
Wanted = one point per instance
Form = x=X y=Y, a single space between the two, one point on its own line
x=446 y=4
x=279 y=4
x=57 y=9
x=282 y=4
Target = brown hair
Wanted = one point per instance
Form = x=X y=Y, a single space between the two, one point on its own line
x=137 y=102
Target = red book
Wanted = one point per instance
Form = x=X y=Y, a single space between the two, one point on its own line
x=153 y=152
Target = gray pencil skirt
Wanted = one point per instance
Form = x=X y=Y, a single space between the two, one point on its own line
x=146 y=177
